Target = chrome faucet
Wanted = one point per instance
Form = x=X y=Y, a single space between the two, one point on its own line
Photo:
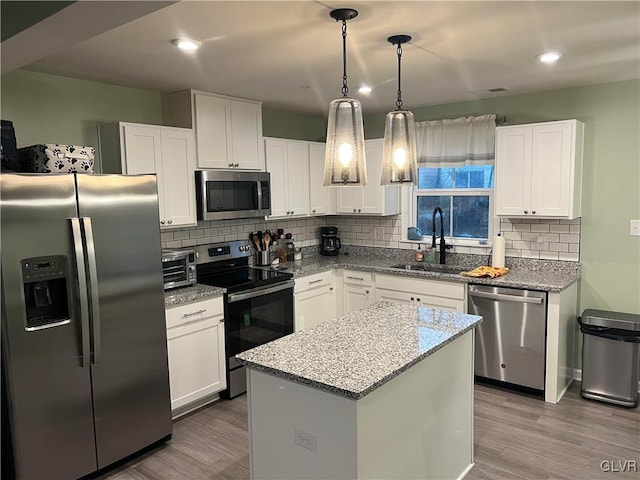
x=433 y=238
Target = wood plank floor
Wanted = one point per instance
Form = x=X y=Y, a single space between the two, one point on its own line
x=516 y=437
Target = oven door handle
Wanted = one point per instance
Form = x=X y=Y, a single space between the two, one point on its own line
x=258 y=292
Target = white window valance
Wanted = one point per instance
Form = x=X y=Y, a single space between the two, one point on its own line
x=457 y=142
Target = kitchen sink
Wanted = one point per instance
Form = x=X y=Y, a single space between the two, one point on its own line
x=428 y=268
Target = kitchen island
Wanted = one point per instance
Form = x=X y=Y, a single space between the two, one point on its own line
x=382 y=392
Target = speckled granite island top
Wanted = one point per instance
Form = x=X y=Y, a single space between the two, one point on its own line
x=178 y=296
x=356 y=353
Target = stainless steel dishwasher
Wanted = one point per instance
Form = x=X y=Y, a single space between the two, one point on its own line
x=510 y=341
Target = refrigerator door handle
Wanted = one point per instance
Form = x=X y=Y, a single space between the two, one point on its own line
x=93 y=289
x=78 y=249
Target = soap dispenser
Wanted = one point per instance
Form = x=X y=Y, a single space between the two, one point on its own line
x=419 y=254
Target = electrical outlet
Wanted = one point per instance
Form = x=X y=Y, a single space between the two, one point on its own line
x=378 y=233
x=634 y=228
x=305 y=440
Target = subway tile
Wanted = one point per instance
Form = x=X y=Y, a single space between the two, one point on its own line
x=506 y=227
x=574 y=229
x=530 y=237
x=558 y=247
x=520 y=245
x=569 y=257
x=570 y=238
x=575 y=221
x=521 y=227
x=510 y=252
x=196 y=233
x=174 y=244
x=166 y=236
x=574 y=248
x=542 y=228
x=549 y=255
x=559 y=228
x=512 y=236
x=190 y=242
x=530 y=254
x=181 y=235
x=551 y=237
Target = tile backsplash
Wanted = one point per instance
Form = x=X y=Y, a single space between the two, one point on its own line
x=525 y=238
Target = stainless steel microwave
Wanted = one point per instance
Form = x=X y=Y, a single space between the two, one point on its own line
x=222 y=195
x=178 y=268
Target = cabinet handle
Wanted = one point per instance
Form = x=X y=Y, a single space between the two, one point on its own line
x=533 y=212
x=359 y=210
x=236 y=165
x=231 y=164
x=313 y=211
x=222 y=320
x=187 y=315
x=331 y=289
x=526 y=211
x=418 y=299
x=315 y=281
x=170 y=222
x=412 y=299
x=367 y=292
x=292 y=212
x=161 y=222
x=356 y=278
x=354 y=210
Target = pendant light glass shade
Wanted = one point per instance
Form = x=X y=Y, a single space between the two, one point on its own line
x=399 y=149
x=399 y=156
x=345 y=162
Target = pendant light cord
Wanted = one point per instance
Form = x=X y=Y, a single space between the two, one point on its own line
x=345 y=88
x=399 y=100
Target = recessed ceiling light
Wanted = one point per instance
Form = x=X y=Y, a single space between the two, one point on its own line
x=186 y=44
x=549 y=57
x=365 y=89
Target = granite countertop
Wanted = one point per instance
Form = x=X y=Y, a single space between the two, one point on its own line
x=356 y=353
x=548 y=276
x=178 y=296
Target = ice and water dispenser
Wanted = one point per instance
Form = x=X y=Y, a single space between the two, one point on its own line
x=46 y=295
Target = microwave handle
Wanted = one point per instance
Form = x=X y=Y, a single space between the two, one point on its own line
x=259 y=186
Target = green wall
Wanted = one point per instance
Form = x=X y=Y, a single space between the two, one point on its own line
x=611 y=195
x=53 y=109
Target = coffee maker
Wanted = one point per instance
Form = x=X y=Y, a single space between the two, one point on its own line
x=329 y=241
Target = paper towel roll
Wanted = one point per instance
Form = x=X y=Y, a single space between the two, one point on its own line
x=497 y=258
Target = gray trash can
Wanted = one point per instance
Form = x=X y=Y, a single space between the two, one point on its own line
x=610 y=356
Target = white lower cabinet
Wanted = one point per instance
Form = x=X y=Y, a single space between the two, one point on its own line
x=315 y=300
x=358 y=290
x=195 y=342
x=438 y=294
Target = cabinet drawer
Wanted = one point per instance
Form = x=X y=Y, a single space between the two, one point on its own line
x=357 y=278
x=316 y=280
x=194 y=311
x=434 y=288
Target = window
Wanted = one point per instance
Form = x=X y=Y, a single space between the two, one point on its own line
x=465 y=196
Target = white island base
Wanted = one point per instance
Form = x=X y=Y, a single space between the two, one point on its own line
x=418 y=425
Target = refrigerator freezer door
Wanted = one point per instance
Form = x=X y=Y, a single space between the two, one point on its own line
x=48 y=390
x=129 y=360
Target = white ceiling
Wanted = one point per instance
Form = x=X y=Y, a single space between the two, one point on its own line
x=288 y=54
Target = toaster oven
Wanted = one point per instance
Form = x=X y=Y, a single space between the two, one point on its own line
x=178 y=268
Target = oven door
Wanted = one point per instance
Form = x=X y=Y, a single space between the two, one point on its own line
x=254 y=317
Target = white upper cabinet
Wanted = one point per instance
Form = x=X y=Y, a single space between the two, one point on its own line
x=322 y=200
x=228 y=130
x=539 y=169
x=288 y=163
x=170 y=154
x=372 y=199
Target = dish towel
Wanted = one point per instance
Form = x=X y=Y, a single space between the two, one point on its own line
x=486 y=271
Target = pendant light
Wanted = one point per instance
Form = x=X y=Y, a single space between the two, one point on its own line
x=344 y=163
x=399 y=146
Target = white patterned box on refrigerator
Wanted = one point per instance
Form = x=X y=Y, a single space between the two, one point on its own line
x=55 y=158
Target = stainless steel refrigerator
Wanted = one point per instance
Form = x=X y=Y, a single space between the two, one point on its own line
x=84 y=348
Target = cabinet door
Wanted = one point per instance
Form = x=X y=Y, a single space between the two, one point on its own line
x=513 y=170
x=551 y=169
x=196 y=353
x=297 y=174
x=276 y=160
x=142 y=153
x=246 y=135
x=314 y=307
x=356 y=297
x=178 y=188
x=213 y=131
x=372 y=199
x=440 y=303
x=321 y=199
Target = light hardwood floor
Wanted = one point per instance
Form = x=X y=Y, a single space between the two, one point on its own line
x=516 y=437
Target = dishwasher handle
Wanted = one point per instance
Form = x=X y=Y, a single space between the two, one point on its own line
x=507 y=298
